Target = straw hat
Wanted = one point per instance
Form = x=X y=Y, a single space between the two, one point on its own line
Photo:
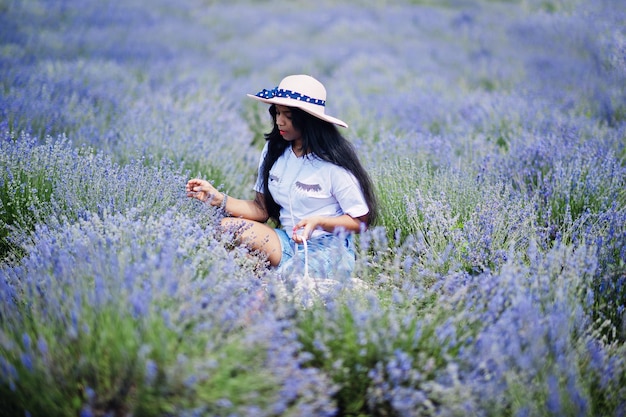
x=301 y=91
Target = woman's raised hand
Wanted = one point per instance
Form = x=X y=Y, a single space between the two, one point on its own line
x=200 y=189
x=307 y=225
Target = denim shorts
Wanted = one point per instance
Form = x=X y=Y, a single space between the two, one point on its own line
x=329 y=256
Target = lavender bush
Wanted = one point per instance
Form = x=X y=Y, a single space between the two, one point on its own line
x=495 y=133
x=151 y=315
x=49 y=182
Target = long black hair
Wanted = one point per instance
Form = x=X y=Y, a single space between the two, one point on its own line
x=325 y=141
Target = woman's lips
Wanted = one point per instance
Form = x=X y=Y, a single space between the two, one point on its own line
x=282 y=132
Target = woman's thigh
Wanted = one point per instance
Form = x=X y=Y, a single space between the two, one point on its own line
x=257 y=235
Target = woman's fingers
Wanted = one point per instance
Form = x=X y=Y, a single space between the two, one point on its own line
x=305 y=233
x=191 y=185
x=295 y=236
x=200 y=189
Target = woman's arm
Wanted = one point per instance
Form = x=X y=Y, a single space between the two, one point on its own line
x=247 y=209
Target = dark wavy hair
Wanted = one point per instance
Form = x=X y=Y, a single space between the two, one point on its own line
x=325 y=141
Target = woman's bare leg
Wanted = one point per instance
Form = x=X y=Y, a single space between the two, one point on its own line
x=257 y=235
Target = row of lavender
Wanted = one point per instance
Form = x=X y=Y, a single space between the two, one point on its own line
x=495 y=133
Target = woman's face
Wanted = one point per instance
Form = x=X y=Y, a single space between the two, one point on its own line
x=285 y=126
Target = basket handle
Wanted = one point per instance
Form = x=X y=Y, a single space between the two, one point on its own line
x=306 y=255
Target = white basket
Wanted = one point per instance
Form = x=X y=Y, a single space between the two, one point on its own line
x=307 y=289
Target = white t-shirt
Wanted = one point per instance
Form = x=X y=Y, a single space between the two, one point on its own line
x=308 y=186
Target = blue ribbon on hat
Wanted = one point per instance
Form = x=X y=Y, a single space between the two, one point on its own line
x=280 y=93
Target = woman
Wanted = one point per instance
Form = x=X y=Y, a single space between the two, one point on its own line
x=309 y=180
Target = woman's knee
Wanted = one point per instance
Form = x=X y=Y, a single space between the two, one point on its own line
x=258 y=236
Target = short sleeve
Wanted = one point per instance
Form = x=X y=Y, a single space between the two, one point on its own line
x=348 y=193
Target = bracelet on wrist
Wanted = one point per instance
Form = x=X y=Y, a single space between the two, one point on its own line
x=223 y=205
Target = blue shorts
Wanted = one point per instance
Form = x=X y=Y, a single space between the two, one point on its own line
x=330 y=256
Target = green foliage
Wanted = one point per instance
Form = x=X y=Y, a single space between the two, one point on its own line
x=101 y=354
x=108 y=354
x=367 y=347
x=44 y=183
x=409 y=202
x=578 y=192
x=26 y=185
x=122 y=323
x=342 y=350
x=455 y=219
x=259 y=121
x=241 y=377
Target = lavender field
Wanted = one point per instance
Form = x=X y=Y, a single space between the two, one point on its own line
x=495 y=134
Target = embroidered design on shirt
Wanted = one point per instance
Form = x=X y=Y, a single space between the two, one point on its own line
x=308 y=187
